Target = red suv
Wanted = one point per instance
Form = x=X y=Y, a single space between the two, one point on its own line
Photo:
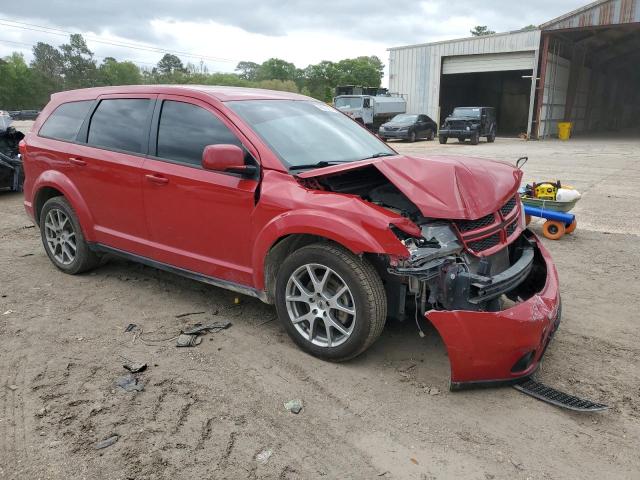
x=281 y=197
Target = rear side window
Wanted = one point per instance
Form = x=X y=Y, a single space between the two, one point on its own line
x=65 y=122
x=185 y=129
x=120 y=124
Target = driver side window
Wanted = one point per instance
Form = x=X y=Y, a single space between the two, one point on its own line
x=185 y=129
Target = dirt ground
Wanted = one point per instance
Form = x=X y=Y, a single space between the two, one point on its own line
x=216 y=411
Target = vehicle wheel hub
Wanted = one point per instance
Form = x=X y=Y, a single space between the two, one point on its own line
x=320 y=305
x=60 y=236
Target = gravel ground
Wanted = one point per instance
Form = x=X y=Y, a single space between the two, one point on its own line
x=216 y=410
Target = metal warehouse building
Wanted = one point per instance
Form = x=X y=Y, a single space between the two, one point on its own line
x=582 y=67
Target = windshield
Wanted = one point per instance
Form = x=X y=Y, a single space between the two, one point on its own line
x=348 y=102
x=404 y=118
x=471 y=112
x=307 y=132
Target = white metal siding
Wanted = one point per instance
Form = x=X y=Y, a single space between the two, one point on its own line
x=556 y=84
x=415 y=70
x=490 y=62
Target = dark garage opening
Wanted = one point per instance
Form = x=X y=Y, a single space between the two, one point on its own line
x=508 y=92
x=603 y=81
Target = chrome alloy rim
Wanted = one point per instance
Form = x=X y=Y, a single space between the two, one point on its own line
x=60 y=236
x=320 y=305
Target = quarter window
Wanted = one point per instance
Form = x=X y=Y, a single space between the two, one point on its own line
x=65 y=122
x=120 y=124
x=185 y=129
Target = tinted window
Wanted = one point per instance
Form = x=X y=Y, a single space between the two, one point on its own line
x=65 y=122
x=185 y=130
x=120 y=124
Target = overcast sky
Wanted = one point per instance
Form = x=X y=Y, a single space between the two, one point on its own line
x=303 y=32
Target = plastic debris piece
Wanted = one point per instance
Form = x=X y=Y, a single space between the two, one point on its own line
x=294 y=406
x=107 y=442
x=180 y=315
x=135 y=367
x=185 y=340
x=129 y=383
x=264 y=455
x=130 y=327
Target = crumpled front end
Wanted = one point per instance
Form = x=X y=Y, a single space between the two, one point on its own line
x=504 y=345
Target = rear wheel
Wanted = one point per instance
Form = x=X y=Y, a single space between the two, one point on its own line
x=331 y=302
x=491 y=137
x=63 y=239
x=572 y=226
x=430 y=134
x=442 y=139
x=461 y=139
x=475 y=139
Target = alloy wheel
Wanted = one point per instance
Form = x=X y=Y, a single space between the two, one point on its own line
x=60 y=236
x=320 y=305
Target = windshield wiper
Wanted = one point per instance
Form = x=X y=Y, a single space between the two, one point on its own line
x=378 y=155
x=322 y=163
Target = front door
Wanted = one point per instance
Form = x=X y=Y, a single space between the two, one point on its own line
x=199 y=220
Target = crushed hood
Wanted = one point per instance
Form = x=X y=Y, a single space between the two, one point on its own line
x=445 y=187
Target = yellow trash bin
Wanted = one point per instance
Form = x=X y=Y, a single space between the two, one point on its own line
x=564 y=130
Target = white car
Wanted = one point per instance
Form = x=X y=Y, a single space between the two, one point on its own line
x=5 y=120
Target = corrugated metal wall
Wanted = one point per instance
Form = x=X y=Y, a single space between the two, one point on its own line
x=610 y=12
x=490 y=62
x=415 y=70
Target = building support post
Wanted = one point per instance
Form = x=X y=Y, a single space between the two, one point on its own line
x=543 y=73
x=532 y=94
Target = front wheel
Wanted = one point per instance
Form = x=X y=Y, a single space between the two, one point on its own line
x=430 y=134
x=475 y=138
x=443 y=139
x=331 y=302
x=412 y=136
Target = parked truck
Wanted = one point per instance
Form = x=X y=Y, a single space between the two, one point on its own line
x=370 y=106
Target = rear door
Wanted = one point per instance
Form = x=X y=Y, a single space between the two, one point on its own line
x=199 y=220
x=108 y=169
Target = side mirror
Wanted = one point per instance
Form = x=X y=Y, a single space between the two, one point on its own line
x=226 y=158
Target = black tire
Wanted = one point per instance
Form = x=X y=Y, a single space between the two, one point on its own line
x=475 y=139
x=442 y=139
x=491 y=138
x=370 y=301
x=84 y=258
x=461 y=139
x=430 y=134
x=412 y=136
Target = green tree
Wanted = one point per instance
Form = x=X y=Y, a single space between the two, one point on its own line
x=283 y=85
x=481 y=31
x=320 y=80
x=367 y=71
x=276 y=69
x=48 y=60
x=248 y=70
x=529 y=27
x=78 y=65
x=18 y=90
x=112 y=72
x=169 y=65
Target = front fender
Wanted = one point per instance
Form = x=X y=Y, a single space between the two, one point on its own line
x=313 y=222
x=59 y=181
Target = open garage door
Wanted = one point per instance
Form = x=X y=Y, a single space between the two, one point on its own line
x=497 y=62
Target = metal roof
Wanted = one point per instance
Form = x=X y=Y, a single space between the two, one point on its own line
x=599 y=13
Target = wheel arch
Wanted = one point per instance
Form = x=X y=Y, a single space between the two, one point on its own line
x=52 y=184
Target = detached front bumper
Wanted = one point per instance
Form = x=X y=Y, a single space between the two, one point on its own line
x=504 y=346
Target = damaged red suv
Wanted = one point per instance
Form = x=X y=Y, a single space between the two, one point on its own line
x=280 y=197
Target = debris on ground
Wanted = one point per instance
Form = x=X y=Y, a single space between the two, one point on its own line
x=294 y=406
x=135 y=367
x=13 y=387
x=264 y=455
x=107 y=442
x=434 y=391
x=129 y=383
x=202 y=328
x=130 y=327
x=8 y=312
x=42 y=412
x=181 y=315
x=185 y=340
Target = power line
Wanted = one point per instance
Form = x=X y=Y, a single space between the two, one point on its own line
x=133 y=46
x=96 y=56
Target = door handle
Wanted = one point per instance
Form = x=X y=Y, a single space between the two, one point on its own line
x=77 y=161
x=157 y=179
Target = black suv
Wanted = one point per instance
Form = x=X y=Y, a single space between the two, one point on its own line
x=408 y=127
x=471 y=123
